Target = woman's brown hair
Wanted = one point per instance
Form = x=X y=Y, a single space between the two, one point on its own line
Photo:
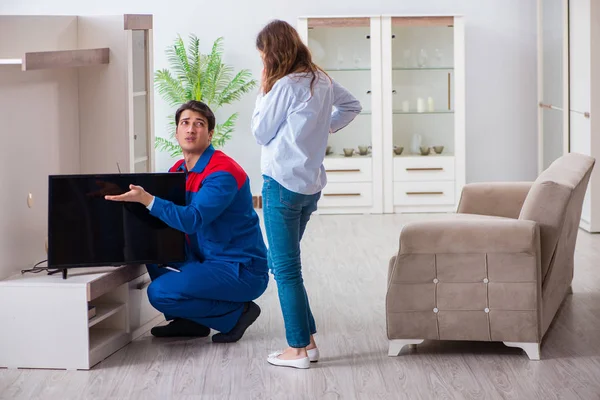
x=283 y=53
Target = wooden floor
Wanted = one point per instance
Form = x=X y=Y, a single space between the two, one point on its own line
x=345 y=261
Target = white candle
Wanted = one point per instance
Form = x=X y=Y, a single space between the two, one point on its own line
x=430 y=104
x=420 y=105
x=405 y=106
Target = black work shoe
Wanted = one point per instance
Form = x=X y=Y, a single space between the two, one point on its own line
x=181 y=328
x=250 y=314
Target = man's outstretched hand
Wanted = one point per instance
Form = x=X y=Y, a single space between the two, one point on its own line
x=136 y=194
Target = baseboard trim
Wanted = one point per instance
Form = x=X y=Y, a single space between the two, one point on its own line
x=257 y=201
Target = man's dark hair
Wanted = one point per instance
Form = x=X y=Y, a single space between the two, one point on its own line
x=198 y=107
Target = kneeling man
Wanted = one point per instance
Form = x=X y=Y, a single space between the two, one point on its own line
x=226 y=265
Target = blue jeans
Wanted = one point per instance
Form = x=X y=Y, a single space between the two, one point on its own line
x=286 y=214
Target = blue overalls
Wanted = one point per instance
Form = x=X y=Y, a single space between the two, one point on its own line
x=226 y=263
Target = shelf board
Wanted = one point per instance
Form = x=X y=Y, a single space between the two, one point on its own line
x=398 y=112
x=344 y=22
x=11 y=61
x=393 y=69
x=346 y=69
x=423 y=69
x=103 y=311
x=140 y=160
x=423 y=21
x=104 y=342
x=101 y=337
x=139 y=94
x=414 y=155
x=341 y=155
x=65 y=59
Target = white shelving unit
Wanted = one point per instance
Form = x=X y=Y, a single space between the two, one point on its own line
x=49 y=325
x=389 y=63
x=88 y=81
x=85 y=84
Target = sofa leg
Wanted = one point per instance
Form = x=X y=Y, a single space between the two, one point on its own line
x=397 y=345
x=531 y=349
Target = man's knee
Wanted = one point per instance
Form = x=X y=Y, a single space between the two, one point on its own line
x=159 y=296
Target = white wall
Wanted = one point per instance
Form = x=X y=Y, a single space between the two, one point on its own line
x=501 y=64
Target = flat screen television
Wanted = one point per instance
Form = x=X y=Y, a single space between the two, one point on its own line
x=85 y=229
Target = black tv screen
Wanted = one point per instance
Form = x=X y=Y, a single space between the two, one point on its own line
x=85 y=229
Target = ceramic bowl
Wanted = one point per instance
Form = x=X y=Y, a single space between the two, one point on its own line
x=348 y=152
x=424 y=150
x=363 y=150
x=398 y=150
x=438 y=149
x=328 y=150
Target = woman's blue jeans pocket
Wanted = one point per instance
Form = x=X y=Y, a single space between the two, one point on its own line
x=291 y=199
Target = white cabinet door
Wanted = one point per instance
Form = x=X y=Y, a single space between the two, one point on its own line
x=349 y=50
x=423 y=98
x=553 y=90
x=579 y=55
x=580 y=91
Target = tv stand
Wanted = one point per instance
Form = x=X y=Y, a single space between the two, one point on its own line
x=64 y=272
x=35 y=303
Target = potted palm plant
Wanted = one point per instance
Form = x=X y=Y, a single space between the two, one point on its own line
x=203 y=77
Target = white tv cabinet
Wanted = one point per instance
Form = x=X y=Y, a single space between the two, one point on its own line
x=45 y=320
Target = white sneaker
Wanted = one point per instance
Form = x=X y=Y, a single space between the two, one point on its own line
x=302 y=363
x=313 y=354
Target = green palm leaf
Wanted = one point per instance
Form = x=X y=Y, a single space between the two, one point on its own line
x=238 y=86
x=170 y=88
x=223 y=131
x=163 y=144
x=203 y=77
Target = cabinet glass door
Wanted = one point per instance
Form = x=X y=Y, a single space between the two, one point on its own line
x=553 y=77
x=342 y=47
x=422 y=63
x=140 y=100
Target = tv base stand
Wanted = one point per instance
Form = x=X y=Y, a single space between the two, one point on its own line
x=60 y=306
x=63 y=270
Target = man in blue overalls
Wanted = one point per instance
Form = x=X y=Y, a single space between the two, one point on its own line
x=226 y=265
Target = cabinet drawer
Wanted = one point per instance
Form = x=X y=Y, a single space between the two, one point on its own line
x=423 y=193
x=424 y=168
x=351 y=169
x=140 y=310
x=347 y=195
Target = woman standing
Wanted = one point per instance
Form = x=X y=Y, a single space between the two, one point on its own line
x=293 y=118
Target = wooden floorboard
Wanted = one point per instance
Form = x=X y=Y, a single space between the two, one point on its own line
x=345 y=267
